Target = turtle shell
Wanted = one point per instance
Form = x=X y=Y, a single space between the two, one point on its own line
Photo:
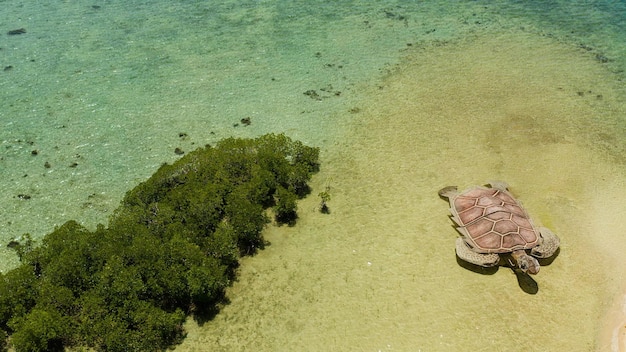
x=493 y=221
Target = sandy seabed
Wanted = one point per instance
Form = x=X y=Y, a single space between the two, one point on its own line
x=379 y=273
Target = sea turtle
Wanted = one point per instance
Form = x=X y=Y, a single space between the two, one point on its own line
x=496 y=227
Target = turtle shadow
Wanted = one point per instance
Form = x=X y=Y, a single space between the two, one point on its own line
x=476 y=268
x=524 y=280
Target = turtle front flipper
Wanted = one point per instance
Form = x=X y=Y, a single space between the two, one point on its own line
x=468 y=255
x=549 y=245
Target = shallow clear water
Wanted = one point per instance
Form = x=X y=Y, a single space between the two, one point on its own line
x=408 y=98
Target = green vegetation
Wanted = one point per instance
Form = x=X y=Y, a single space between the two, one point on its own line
x=170 y=250
x=324 y=198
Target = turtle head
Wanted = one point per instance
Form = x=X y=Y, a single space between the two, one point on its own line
x=525 y=262
x=529 y=264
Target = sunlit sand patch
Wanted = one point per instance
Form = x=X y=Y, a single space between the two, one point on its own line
x=614 y=338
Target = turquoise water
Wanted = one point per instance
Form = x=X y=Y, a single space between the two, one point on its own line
x=96 y=95
x=113 y=86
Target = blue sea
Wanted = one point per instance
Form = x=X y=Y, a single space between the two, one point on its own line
x=402 y=97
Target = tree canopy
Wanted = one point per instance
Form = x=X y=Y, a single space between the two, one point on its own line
x=170 y=250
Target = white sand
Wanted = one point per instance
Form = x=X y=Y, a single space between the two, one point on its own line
x=613 y=336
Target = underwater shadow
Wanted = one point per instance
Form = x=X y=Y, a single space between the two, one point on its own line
x=526 y=282
x=476 y=268
x=207 y=312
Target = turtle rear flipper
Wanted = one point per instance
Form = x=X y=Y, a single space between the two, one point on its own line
x=448 y=192
x=501 y=185
x=482 y=259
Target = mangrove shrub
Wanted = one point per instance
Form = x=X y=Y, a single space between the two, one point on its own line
x=169 y=251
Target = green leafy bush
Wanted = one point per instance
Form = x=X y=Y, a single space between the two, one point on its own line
x=3 y=338
x=170 y=250
x=42 y=329
x=286 y=206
